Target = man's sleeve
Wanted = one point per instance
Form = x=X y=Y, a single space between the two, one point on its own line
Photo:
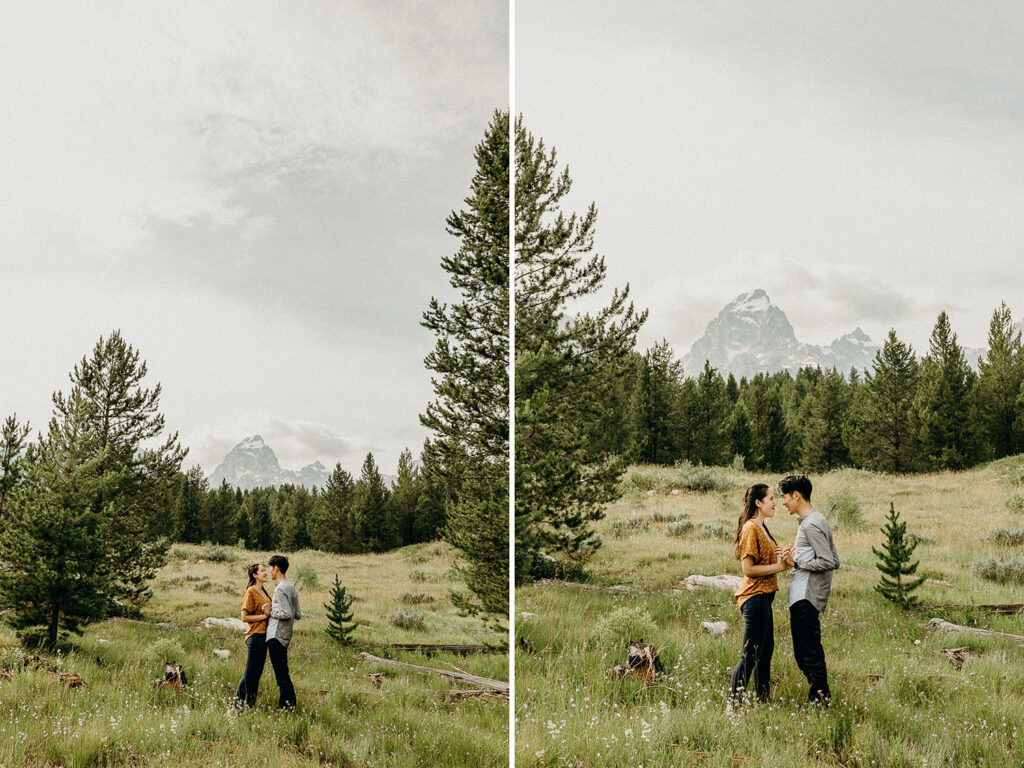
x=280 y=609
x=825 y=557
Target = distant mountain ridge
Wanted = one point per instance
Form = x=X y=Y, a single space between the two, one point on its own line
x=752 y=335
x=253 y=464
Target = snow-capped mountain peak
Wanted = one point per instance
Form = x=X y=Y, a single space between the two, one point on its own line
x=752 y=335
x=253 y=464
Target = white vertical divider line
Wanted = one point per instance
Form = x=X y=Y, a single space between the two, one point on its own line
x=511 y=380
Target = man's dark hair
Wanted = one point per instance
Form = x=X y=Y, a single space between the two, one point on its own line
x=791 y=483
x=280 y=561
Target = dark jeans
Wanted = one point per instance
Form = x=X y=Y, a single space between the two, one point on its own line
x=279 y=660
x=810 y=656
x=249 y=685
x=758 y=646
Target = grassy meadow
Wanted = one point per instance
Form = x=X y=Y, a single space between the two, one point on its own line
x=342 y=719
x=898 y=700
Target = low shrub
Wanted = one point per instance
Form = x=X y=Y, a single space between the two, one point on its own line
x=215 y=553
x=308 y=575
x=668 y=517
x=679 y=528
x=701 y=479
x=848 y=514
x=201 y=585
x=1001 y=569
x=925 y=539
x=407 y=620
x=623 y=624
x=165 y=649
x=1015 y=503
x=1007 y=537
x=716 y=531
x=414 y=598
x=416 y=575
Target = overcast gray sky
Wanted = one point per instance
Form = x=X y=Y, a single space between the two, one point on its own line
x=254 y=193
x=862 y=162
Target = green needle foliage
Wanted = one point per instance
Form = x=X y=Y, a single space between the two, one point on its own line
x=467 y=457
x=894 y=563
x=339 y=614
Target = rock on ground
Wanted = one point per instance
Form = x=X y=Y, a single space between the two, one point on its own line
x=715 y=628
x=723 y=581
x=237 y=624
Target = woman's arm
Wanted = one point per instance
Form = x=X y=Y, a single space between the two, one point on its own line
x=753 y=571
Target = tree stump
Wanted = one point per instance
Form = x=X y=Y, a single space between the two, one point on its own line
x=174 y=677
x=642 y=662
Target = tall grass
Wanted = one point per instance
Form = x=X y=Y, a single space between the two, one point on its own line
x=343 y=719
x=898 y=699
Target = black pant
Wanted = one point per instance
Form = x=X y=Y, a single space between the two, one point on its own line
x=758 y=646
x=254 y=661
x=279 y=660
x=810 y=656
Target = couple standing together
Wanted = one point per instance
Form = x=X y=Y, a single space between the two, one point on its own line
x=812 y=559
x=270 y=631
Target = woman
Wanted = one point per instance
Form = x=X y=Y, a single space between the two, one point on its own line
x=757 y=551
x=255 y=612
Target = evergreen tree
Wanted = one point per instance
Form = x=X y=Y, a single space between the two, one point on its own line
x=404 y=501
x=332 y=529
x=125 y=419
x=999 y=383
x=732 y=389
x=370 y=521
x=769 y=434
x=469 y=415
x=260 y=522
x=562 y=481
x=12 y=450
x=741 y=439
x=339 y=614
x=190 y=511
x=826 y=425
x=296 y=518
x=894 y=563
x=222 y=508
x=54 y=574
x=655 y=406
x=712 y=408
x=945 y=401
x=888 y=431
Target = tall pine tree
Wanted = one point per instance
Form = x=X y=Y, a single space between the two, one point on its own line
x=470 y=413
x=1000 y=378
x=887 y=437
x=54 y=550
x=945 y=401
x=562 y=480
x=12 y=459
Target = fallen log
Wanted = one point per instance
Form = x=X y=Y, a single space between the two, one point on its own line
x=475 y=694
x=429 y=648
x=945 y=626
x=483 y=682
x=1005 y=608
x=622 y=589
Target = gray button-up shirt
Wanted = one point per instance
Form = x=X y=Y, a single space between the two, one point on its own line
x=813 y=561
x=284 y=610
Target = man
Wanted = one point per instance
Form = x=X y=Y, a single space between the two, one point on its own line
x=284 y=611
x=813 y=558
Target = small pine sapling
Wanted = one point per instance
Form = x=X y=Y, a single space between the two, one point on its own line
x=339 y=614
x=894 y=563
